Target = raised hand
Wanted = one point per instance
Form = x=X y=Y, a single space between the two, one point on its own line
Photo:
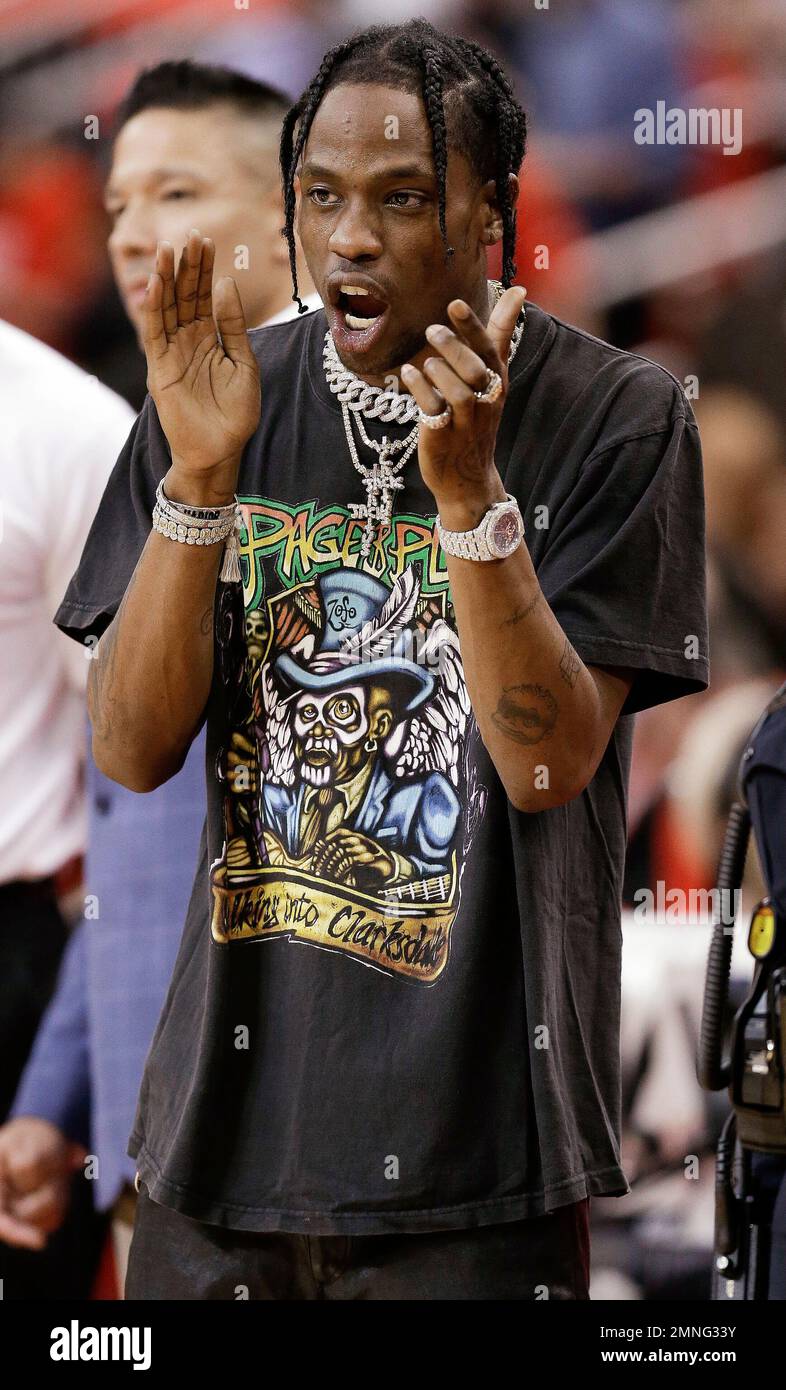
x=206 y=388
x=457 y=461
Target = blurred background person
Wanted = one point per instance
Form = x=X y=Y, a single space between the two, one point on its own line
x=585 y=70
x=197 y=145
x=62 y=431
x=193 y=144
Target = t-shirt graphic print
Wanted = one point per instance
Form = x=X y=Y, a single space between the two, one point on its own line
x=350 y=797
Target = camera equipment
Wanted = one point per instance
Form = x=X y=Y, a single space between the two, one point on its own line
x=755 y=1068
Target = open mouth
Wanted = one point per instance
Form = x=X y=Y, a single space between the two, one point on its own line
x=359 y=316
x=360 y=308
x=320 y=751
x=318 y=757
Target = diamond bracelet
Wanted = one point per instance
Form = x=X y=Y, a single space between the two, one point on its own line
x=192 y=525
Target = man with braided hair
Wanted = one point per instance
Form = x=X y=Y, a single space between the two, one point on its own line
x=407 y=1086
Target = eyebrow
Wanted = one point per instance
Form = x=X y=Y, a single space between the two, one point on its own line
x=158 y=176
x=384 y=171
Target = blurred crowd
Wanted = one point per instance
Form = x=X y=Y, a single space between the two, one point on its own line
x=709 y=305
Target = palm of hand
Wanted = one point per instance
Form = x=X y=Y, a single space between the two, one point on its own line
x=206 y=388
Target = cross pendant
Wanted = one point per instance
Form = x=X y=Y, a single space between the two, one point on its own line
x=381 y=483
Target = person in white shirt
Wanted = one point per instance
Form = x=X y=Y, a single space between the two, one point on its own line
x=62 y=431
x=193 y=144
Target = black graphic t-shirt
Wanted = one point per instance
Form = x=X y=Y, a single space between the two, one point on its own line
x=395 y=1005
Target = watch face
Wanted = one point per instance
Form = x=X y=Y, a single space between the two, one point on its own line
x=505 y=532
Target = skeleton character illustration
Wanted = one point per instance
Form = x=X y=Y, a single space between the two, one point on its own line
x=351 y=794
x=357 y=791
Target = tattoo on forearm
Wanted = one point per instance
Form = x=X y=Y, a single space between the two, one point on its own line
x=569 y=664
x=101 y=694
x=526 y=713
x=519 y=613
x=206 y=622
x=100 y=684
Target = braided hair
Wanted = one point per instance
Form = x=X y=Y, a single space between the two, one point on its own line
x=484 y=119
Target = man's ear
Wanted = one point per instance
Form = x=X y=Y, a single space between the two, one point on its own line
x=274 y=219
x=493 y=227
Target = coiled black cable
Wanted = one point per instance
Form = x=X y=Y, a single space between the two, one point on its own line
x=713 y=1073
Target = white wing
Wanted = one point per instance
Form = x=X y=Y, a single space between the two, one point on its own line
x=437 y=732
x=278 y=732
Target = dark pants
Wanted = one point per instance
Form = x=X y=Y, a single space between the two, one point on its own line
x=33 y=935
x=174 y=1257
x=32 y=938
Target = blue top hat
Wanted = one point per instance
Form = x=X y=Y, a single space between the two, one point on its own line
x=350 y=599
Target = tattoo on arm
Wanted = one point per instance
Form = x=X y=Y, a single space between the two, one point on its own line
x=101 y=692
x=101 y=698
x=569 y=664
x=519 y=613
x=526 y=713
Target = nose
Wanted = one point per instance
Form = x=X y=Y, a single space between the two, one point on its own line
x=356 y=233
x=133 y=234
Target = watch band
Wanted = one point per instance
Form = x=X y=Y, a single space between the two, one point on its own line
x=473 y=545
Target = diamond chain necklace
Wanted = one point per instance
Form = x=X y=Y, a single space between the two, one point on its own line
x=382 y=479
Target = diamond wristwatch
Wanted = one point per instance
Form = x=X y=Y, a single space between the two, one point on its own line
x=496 y=536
